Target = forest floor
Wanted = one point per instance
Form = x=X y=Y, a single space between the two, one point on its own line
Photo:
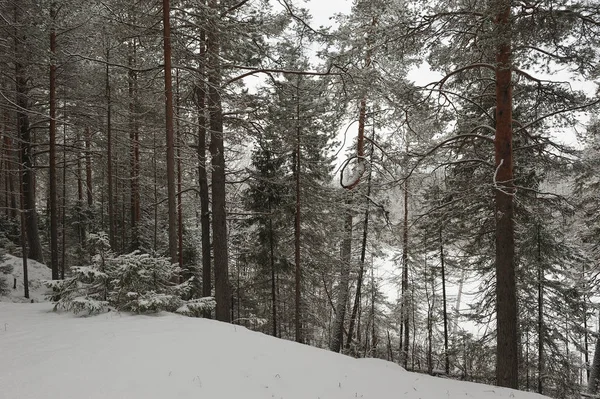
x=45 y=354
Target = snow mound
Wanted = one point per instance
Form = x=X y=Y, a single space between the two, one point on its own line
x=36 y=273
x=114 y=355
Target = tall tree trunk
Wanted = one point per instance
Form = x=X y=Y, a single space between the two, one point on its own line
x=507 y=363
x=171 y=193
x=88 y=167
x=343 y=286
x=203 y=177
x=445 y=308
x=63 y=223
x=273 y=282
x=24 y=245
x=363 y=252
x=540 y=326
x=52 y=157
x=135 y=208
x=179 y=177
x=28 y=175
x=297 y=226
x=217 y=150
x=592 y=387
x=405 y=298
x=80 y=201
x=109 y=155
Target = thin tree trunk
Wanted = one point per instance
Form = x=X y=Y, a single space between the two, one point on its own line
x=135 y=208
x=52 y=157
x=507 y=362
x=171 y=193
x=540 y=326
x=203 y=177
x=272 y=261
x=363 y=252
x=297 y=226
x=342 y=299
x=217 y=150
x=28 y=174
x=88 y=167
x=179 y=194
x=24 y=249
x=63 y=223
x=405 y=305
x=109 y=156
x=445 y=308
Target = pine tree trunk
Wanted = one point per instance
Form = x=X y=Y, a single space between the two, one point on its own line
x=135 y=208
x=217 y=150
x=507 y=364
x=24 y=245
x=445 y=308
x=52 y=157
x=203 y=178
x=109 y=156
x=63 y=223
x=179 y=185
x=88 y=167
x=273 y=283
x=405 y=305
x=171 y=194
x=540 y=287
x=342 y=299
x=28 y=175
x=363 y=252
x=297 y=226
x=592 y=388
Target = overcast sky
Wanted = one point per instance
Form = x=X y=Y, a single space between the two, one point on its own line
x=323 y=10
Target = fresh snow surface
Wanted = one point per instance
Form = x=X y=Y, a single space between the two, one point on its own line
x=47 y=355
x=36 y=273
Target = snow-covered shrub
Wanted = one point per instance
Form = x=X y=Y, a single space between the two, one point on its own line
x=85 y=290
x=5 y=270
x=144 y=283
x=136 y=282
x=196 y=307
x=88 y=287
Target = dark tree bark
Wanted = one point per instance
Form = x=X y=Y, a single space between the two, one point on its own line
x=297 y=229
x=363 y=252
x=540 y=321
x=337 y=334
x=88 y=167
x=405 y=299
x=179 y=185
x=171 y=193
x=28 y=175
x=203 y=178
x=135 y=207
x=52 y=157
x=592 y=387
x=24 y=248
x=217 y=151
x=445 y=308
x=273 y=282
x=109 y=155
x=507 y=364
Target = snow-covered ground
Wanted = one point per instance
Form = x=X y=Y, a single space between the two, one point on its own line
x=49 y=355
x=36 y=272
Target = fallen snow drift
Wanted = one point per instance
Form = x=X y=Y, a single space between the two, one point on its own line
x=51 y=355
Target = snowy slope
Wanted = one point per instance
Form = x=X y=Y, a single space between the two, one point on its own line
x=50 y=355
x=36 y=273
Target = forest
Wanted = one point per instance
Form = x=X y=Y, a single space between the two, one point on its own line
x=232 y=159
